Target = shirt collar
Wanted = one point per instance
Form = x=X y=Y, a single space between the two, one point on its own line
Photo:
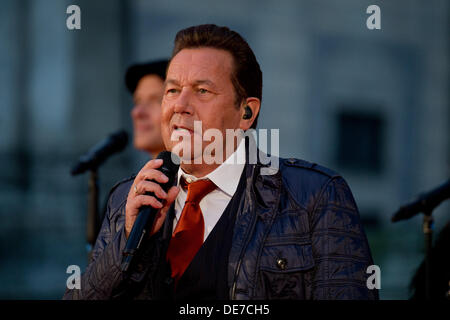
x=226 y=176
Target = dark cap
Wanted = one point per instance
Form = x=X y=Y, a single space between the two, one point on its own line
x=137 y=71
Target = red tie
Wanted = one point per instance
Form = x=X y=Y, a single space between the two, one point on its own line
x=188 y=236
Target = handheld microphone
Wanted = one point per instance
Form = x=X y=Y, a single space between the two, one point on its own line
x=147 y=214
x=100 y=152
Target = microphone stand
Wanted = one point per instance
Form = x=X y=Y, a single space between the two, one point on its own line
x=92 y=214
x=425 y=204
x=91 y=161
x=427 y=227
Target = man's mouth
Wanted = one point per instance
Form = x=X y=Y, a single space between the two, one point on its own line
x=182 y=129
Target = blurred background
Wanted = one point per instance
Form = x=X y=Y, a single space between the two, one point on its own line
x=370 y=104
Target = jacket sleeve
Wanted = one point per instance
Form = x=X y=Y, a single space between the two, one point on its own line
x=103 y=273
x=339 y=245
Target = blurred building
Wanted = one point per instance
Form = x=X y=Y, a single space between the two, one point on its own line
x=371 y=104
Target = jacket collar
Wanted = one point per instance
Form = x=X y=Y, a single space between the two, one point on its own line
x=262 y=188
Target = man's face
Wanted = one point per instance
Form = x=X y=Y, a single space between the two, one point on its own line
x=199 y=88
x=146 y=114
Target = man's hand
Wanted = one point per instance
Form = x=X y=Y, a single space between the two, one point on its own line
x=137 y=198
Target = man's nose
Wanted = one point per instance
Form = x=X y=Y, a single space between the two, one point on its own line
x=183 y=102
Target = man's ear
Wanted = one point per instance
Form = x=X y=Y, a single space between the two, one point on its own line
x=247 y=117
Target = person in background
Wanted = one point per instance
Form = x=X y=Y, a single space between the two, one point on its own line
x=146 y=83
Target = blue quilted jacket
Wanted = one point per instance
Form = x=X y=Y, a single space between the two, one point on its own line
x=297 y=235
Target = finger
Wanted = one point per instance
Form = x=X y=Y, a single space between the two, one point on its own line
x=173 y=193
x=144 y=200
x=153 y=164
x=171 y=196
x=152 y=174
x=161 y=216
x=159 y=221
x=149 y=186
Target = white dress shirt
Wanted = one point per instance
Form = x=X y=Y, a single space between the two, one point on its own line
x=226 y=178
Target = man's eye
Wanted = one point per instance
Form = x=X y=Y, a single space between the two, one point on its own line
x=202 y=90
x=173 y=90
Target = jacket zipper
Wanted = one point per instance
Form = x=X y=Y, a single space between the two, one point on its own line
x=233 y=291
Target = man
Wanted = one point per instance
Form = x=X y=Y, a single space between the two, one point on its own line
x=146 y=83
x=226 y=231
